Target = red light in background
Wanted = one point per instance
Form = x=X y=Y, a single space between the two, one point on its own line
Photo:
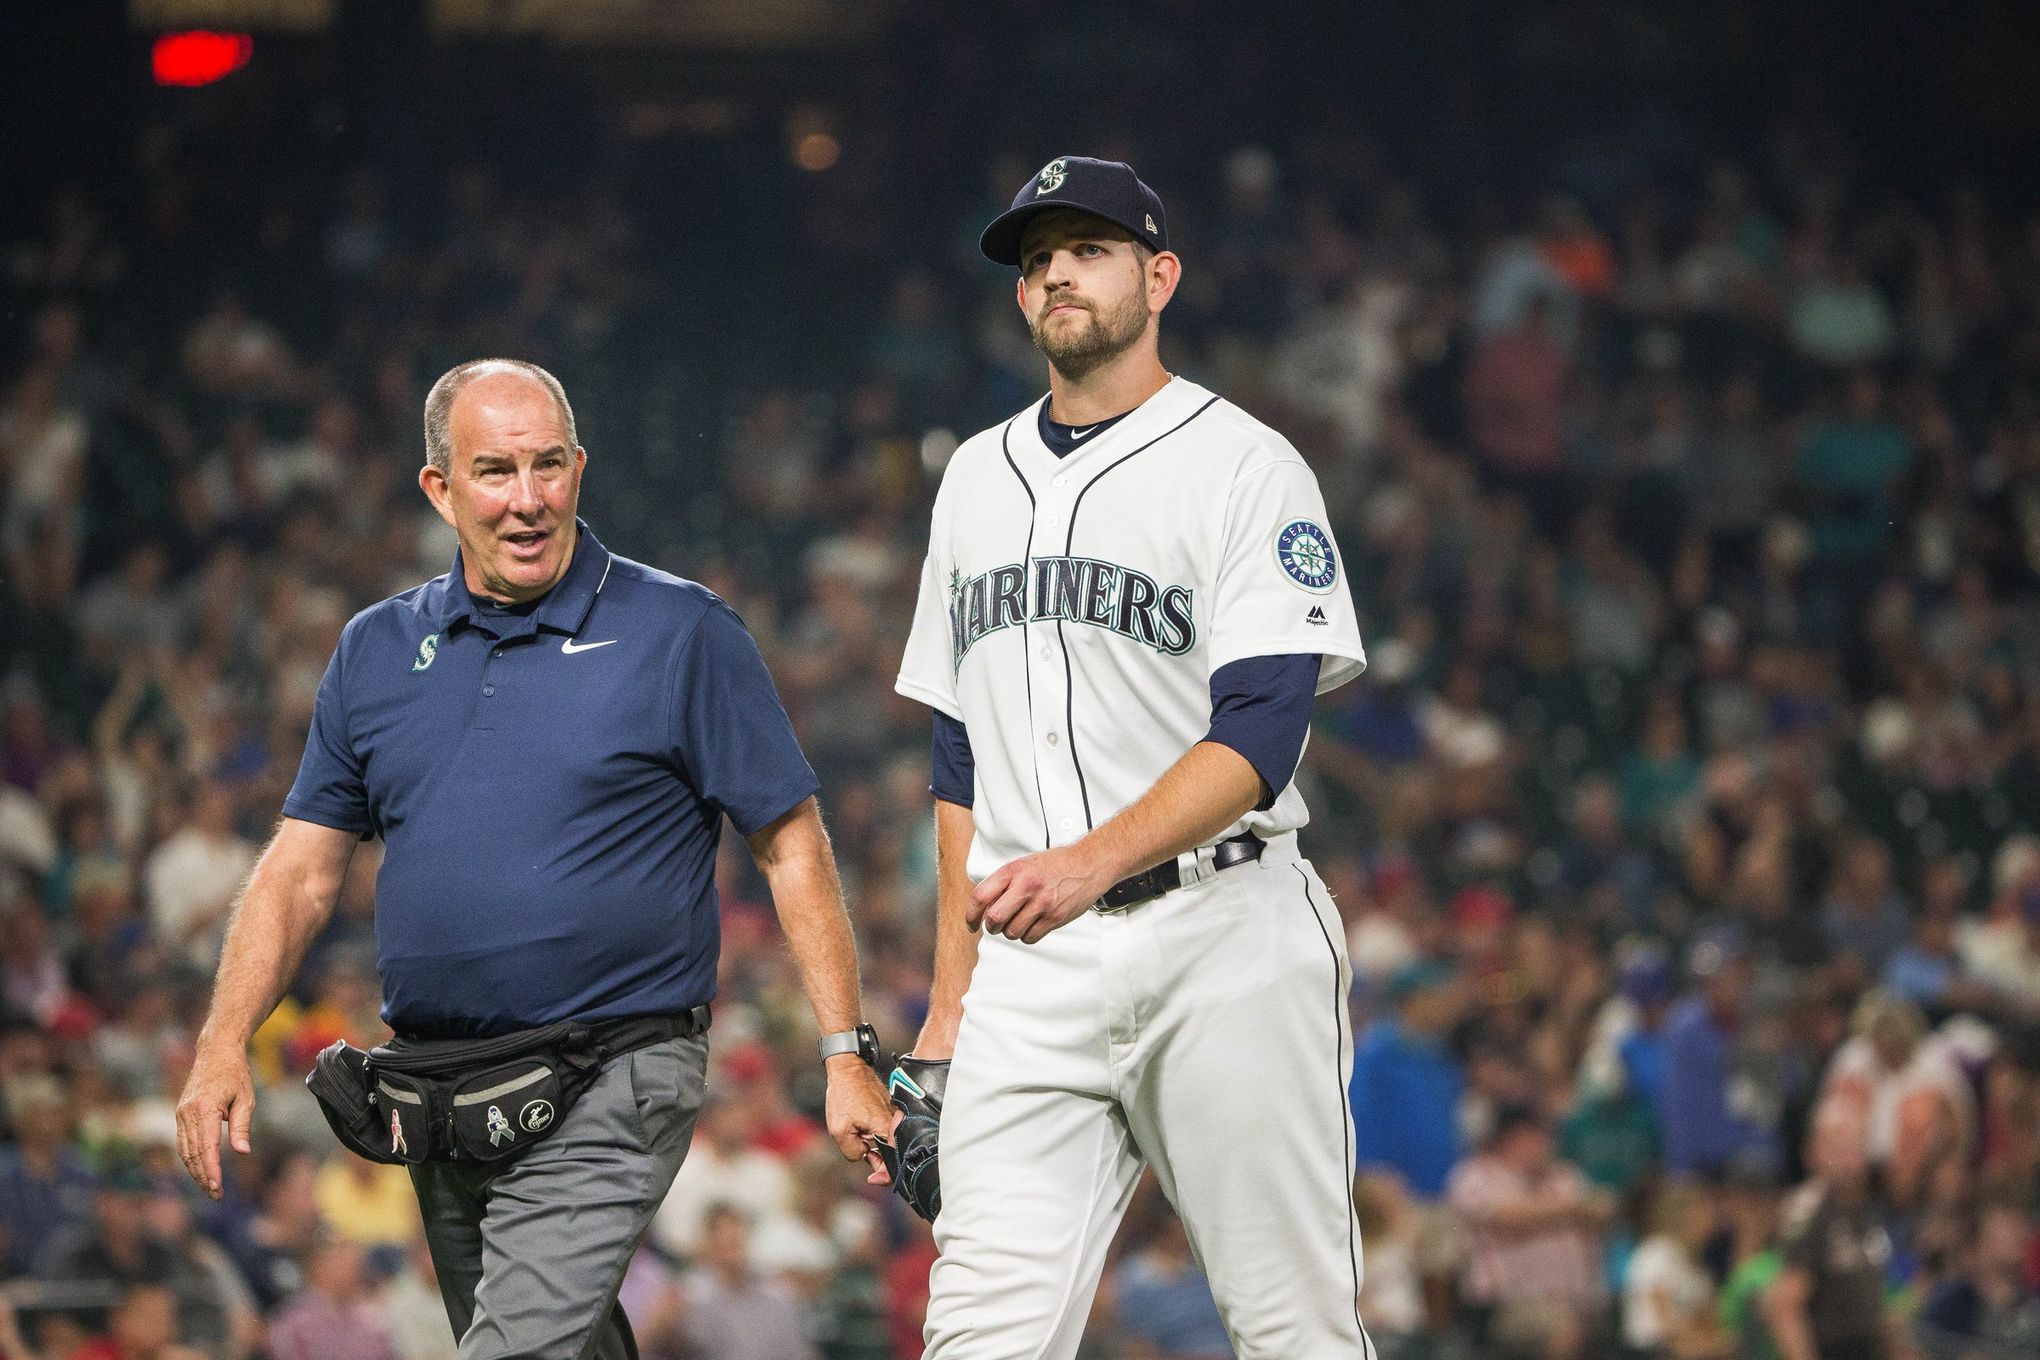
x=190 y=59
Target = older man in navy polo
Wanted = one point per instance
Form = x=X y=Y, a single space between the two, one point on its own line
x=547 y=739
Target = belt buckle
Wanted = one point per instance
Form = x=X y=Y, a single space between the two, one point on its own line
x=1150 y=885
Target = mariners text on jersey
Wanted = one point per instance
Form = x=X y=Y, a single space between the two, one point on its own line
x=1080 y=589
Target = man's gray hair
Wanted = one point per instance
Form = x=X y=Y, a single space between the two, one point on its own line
x=439 y=403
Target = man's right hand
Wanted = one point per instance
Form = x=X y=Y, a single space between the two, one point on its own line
x=220 y=1089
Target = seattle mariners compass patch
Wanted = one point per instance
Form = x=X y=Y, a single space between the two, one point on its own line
x=1305 y=552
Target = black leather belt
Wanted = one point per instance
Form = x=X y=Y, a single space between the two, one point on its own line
x=1244 y=848
x=613 y=1038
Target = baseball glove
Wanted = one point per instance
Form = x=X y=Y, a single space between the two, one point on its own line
x=916 y=1086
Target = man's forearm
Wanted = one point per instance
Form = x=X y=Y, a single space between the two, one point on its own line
x=799 y=867
x=1784 y=1308
x=1202 y=794
x=956 y=944
x=289 y=898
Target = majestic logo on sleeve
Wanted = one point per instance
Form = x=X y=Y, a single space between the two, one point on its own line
x=1077 y=589
x=1305 y=552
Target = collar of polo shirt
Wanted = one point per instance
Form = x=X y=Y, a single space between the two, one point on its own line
x=563 y=609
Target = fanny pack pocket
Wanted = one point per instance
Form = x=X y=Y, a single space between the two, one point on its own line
x=482 y=1100
x=339 y=1079
x=485 y=1100
x=499 y=1112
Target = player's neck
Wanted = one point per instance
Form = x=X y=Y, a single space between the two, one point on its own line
x=1111 y=389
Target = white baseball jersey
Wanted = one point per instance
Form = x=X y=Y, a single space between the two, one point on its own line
x=1073 y=610
x=1072 y=613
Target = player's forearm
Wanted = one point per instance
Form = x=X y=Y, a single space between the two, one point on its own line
x=1198 y=797
x=956 y=944
x=1784 y=1308
x=794 y=855
x=288 y=900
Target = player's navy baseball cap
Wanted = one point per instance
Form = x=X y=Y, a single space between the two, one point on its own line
x=1107 y=189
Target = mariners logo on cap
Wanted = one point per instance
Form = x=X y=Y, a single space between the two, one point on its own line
x=1051 y=177
x=1305 y=552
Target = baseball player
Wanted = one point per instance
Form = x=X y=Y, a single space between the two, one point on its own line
x=1130 y=600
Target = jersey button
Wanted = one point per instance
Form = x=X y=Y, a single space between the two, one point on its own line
x=1067 y=824
x=497 y=652
x=1062 y=481
x=1053 y=739
x=488 y=691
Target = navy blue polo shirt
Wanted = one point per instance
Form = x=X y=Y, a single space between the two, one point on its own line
x=549 y=784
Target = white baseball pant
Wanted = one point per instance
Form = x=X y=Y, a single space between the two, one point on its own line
x=1204 y=1032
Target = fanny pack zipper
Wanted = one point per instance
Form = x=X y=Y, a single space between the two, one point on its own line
x=452 y=1054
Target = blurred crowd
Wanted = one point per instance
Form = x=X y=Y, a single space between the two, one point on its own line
x=1684 y=822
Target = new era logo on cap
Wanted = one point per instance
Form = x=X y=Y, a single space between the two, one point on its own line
x=1107 y=189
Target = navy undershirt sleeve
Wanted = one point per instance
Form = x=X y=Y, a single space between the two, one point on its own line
x=954 y=767
x=1260 y=707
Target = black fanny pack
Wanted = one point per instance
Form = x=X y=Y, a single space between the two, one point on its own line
x=484 y=1100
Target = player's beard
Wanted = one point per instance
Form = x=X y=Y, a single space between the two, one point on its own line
x=1080 y=351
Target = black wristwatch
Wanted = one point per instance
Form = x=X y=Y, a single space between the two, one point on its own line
x=863 y=1041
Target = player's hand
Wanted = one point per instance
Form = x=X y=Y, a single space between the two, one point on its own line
x=220 y=1089
x=1037 y=893
x=859 y=1113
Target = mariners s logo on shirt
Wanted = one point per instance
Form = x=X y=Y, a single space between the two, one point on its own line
x=1077 y=589
x=1305 y=552
x=428 y=652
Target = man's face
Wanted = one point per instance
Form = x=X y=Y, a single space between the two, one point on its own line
x=728 y=1243
x=1838 y=1152
x=1084 y=290
x=146 y=1320
x=1729 y=988
x=1530 y=1149
x=512 y=488
x=121 y=1214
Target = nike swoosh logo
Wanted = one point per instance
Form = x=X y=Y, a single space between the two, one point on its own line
x=1079 y=434
x=569 y=648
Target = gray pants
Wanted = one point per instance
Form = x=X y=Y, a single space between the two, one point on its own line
x=530 y=1256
